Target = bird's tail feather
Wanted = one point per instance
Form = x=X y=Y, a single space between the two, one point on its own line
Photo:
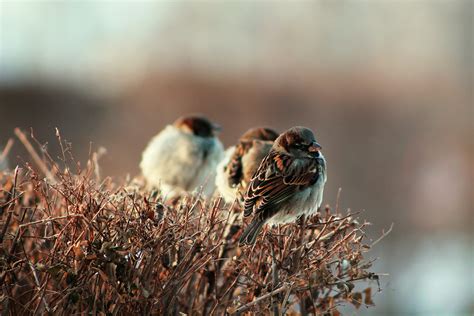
x=251 y=232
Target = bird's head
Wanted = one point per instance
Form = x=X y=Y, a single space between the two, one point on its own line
x=197 y=125
x=299 y=142
x=259 y=133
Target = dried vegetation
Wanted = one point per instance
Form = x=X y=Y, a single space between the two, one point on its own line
x=74 y=243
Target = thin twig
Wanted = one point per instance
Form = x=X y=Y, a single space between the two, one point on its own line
x=49 y=219
x=7 y=149
x=38 y=286
x=285 y=304
x=10 y=207
x=39 y=162
x=274 y=280
x=247 y=306
x=338 y=198
x=384 y=234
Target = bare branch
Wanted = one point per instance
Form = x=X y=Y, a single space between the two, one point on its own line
x=384 y=234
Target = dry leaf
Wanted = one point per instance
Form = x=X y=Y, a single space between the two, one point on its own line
x=356 y=299
x=368 y=296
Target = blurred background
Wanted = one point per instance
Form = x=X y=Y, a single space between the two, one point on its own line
x=386 y=86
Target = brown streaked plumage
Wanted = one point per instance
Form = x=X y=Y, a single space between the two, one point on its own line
x=288 y=183
x=242 y=160
x=246 y=141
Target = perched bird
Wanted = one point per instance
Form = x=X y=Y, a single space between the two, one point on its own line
x=242 y=160
x=288 y=183
x=183 y=157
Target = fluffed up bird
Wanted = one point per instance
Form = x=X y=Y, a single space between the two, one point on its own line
x=183 y=156
x=289 y=182
x=242 y=160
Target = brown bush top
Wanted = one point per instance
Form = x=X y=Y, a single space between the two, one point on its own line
x=73 y=243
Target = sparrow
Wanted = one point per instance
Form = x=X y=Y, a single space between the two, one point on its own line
x=242 y=160
x=183 y=156
x=289 y=182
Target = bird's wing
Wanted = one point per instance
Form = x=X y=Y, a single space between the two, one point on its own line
x=234 y=166
x=277 y=179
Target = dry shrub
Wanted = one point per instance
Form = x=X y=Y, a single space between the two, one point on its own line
x=72 y=243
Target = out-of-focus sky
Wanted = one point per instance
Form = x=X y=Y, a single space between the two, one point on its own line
x=386 y=86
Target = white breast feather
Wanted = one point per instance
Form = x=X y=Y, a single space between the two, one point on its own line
x=222 y=183
x=173 y=161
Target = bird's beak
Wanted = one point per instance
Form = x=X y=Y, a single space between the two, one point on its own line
x=314 y=147
x=216 y=127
